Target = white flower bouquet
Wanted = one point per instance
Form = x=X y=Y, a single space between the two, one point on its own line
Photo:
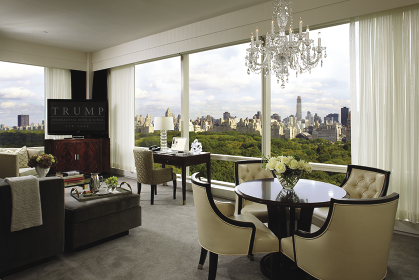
x=287 y=169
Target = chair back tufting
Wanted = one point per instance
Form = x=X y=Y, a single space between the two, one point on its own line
x=365 y=182
x=248 y=170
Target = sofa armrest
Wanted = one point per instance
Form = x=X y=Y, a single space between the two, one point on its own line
x=9 y=165
x=32 y=244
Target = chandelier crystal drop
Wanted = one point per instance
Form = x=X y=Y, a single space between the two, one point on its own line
x=278 y=52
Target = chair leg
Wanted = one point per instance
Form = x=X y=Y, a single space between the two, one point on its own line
x=202 y=258
x=138 y=188
x=153 y=187
x=213 y=266
x=250 y=257
x=155 y=190
x=174 y=189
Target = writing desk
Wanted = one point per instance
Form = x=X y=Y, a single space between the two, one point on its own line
x=183 y=161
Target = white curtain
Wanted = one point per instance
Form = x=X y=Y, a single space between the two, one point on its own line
x=57 y=86
x=121 y=116
x=385 y=127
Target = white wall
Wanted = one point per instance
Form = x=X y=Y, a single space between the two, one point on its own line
x=234 y=27
x=41 y=55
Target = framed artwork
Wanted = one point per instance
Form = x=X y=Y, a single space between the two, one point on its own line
x=178 y=144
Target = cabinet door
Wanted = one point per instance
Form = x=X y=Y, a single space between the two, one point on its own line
x=66 y=153
x=88 y=156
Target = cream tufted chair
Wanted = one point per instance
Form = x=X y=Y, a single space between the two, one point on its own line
x=146 y=174
x=247 y=170
x=361 y=182
x=353 y=243
x=223 y=233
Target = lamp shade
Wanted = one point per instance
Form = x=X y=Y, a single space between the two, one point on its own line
x=163 y=123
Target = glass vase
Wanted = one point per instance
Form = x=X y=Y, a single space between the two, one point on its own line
x=42 y=172
x=287 y=182
x=287 y=195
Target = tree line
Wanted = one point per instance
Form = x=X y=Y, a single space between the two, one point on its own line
x=250 y=145
x=20 y=138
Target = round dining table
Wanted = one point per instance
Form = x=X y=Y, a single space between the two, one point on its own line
x=284 y=205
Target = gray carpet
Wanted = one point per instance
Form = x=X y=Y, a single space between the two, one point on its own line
x=166 y=247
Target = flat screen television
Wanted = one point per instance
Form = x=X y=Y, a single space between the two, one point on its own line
x=87 y=118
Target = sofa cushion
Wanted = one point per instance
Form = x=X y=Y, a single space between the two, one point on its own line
x=32 y=152
x=22 y=154
x=27 y=171
x=76 y=211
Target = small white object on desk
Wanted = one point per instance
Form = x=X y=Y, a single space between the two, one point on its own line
x=196 y=147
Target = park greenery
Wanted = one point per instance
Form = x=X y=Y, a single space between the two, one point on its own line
x=249 y=145
x=20 y=138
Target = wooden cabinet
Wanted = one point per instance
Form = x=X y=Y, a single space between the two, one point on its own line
x=85 y=155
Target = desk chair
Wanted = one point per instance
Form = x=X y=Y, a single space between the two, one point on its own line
x=247 y=170
x=360 y=182
x=146 y=174
x=223 y=233
x=353 y=243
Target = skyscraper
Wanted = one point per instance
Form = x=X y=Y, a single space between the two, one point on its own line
x=226 y=116
x=344 y=112
x=23 y=120
x=299 y=112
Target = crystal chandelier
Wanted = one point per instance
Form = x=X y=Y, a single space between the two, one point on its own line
x=278 y=52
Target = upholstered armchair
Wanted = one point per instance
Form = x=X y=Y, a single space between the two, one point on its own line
x=353 y=243
x=146 y=174
x=360 y=182
x=223 y=233
x=247 y=170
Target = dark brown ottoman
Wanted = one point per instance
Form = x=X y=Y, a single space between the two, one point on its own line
x=94 y=220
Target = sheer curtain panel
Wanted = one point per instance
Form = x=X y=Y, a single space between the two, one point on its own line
x=121 y=116
x=57 y=86
x=386 y=128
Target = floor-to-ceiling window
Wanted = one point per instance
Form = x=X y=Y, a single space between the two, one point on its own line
x=224 y=107
x=311 y=115
x=157 y=94
x=21 y=105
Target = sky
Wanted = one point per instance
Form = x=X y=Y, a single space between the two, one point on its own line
x=218 y=83
x=21 y=92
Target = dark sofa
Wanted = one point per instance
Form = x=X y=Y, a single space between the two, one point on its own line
x=33 y=244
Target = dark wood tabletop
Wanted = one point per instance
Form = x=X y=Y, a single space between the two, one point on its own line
x=310 y=193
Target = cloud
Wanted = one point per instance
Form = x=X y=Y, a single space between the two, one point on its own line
x=210 y=98
x=8 y=105
x=139 y=93
x=247 y=99
x=16 y=93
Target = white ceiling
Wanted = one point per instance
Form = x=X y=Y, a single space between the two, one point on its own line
x=92 y=25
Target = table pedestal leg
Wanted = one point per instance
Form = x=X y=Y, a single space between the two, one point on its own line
x=184 y=184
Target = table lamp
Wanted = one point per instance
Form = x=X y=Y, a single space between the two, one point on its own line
x=163 y=124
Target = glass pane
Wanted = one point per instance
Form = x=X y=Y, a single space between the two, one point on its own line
x=157 y=94
x=224 y=106
x=311 y=116
x=22 y=111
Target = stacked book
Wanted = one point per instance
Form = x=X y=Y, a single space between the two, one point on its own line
x=71 y=176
